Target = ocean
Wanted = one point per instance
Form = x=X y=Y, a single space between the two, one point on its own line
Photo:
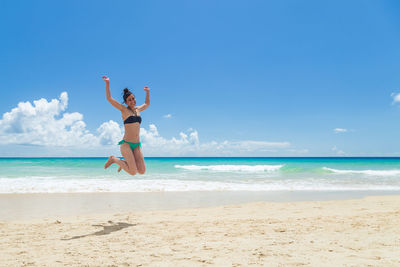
x=78 y=175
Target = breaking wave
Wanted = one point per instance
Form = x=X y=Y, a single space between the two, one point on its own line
x=231 y=168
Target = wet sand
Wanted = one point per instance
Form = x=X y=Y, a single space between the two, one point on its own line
x=53 y=205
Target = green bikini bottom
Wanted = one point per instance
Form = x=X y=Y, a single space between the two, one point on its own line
x=132 y=145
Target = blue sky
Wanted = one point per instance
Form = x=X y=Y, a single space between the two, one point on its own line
x=238 y=78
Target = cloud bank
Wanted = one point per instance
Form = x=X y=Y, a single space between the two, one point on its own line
x=188 y=144
x=46 y=124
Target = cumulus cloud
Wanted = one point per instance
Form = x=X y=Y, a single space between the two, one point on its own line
x=340 y=130
x=168 y=116
x=109 y=133
x=396 y=98
x=188 y=143
x=156 y=144
x=47 y=124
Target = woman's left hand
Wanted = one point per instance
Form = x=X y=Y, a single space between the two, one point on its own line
x=147 y=89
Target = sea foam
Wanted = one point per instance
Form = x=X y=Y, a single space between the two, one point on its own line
x=231 y=168
x=365 y=172
x=51 y=185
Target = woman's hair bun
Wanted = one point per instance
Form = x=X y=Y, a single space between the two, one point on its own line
x=127 y=93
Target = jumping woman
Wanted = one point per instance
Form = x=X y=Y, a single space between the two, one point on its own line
x=131 y=149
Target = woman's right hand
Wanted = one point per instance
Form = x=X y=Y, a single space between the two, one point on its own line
x=105 y=78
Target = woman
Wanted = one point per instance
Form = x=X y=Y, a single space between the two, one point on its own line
x=131 y=148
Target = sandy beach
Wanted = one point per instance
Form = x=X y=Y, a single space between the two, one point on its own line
x=360 y=232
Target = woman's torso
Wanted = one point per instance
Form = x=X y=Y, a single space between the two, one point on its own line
x=132 y=130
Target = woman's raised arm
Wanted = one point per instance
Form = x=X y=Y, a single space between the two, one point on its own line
x=147 y=101
x=112 y=101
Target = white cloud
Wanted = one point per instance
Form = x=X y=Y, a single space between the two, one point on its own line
x=188 y=143
x=396 y=98
x=47 y=126
x=299 y=151
x=109 y=133
x=340 y=130
x=168 y=116
x=154 y=143
x=338 y=151
x=252 y=145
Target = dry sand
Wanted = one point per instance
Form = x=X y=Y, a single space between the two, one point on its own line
x=363 y=232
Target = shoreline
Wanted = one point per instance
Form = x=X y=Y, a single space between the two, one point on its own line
x=27 y=206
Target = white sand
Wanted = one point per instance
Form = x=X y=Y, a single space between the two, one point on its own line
x=363 y=232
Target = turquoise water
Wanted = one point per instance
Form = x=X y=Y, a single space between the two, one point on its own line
x=53 y=175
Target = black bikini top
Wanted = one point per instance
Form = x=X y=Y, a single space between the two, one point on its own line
x=133 y=119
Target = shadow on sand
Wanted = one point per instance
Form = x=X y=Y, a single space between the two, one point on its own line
x=107 y=229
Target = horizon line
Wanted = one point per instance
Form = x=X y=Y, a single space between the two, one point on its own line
x=338 y=157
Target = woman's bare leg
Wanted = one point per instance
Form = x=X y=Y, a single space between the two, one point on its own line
x=109 y=162
x=120 y=168
x=129 y=164
x=139 y=159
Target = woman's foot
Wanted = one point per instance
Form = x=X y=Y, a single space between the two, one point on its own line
x=109 y=162
x=119 y=169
